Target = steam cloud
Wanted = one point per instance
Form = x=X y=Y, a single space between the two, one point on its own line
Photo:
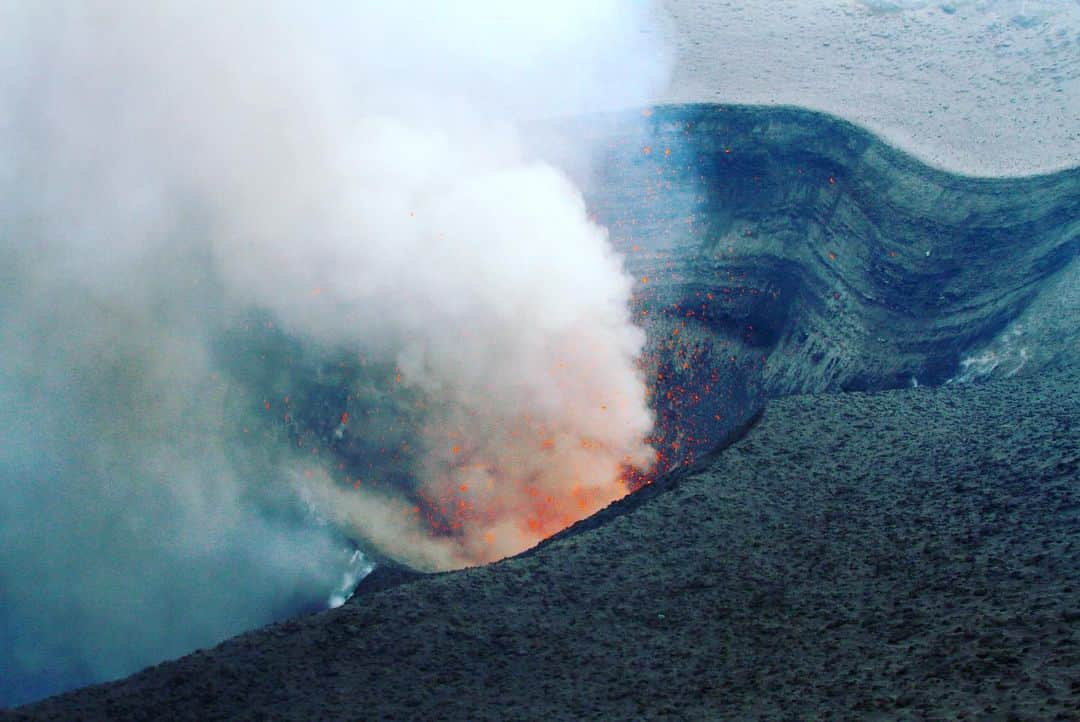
x=362 y=175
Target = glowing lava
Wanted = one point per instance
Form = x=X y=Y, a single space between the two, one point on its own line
x=496 y=493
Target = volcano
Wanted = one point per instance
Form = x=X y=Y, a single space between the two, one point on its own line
x=865 y=378
x=777 y=251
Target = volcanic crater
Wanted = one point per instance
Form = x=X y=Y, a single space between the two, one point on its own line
x=776 y=251
x=868 y=549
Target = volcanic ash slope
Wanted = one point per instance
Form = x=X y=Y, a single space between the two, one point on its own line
x=899 y=555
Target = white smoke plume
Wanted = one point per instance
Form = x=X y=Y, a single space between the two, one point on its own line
x=361 y=172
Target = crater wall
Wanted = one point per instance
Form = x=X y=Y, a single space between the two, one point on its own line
x=782 y=251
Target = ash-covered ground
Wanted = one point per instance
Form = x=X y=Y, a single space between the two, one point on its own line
x=909 y=554
x=987 y=87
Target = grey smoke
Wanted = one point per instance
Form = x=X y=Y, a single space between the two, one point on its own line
x=359 y=173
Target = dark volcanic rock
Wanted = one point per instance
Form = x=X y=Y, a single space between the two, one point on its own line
x=907 y=554
x=387 y=574
x=783 y=251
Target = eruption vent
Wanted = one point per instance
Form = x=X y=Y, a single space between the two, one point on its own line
x=362 y=179
x=393 y=209
x=510 y=339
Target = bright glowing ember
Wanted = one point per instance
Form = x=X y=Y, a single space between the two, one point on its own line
x=520 y=484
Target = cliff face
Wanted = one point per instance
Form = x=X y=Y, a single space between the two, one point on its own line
x=783 y=251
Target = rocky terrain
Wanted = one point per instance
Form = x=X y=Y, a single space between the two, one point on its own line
x=898 y=545
x=909 y=554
